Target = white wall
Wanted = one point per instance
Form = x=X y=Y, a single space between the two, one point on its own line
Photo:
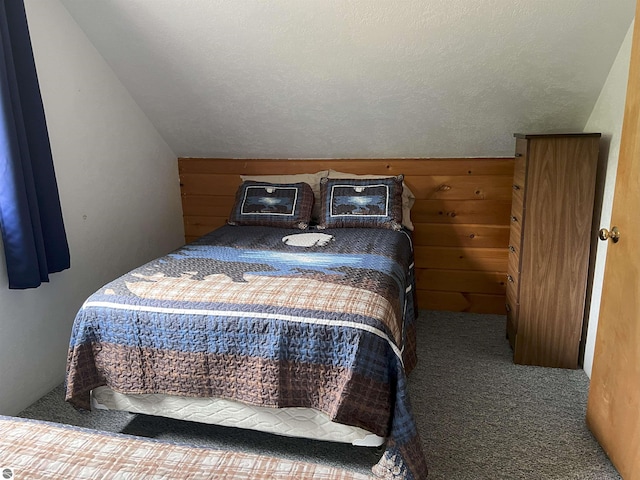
x=606 y=117
x=119 y=190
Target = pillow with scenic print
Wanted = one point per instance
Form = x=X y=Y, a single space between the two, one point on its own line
x=368 y=203
x=286 y=205
x=313 y=179
x=408 y=198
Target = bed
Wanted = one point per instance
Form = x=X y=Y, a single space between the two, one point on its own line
x=272 y=314
x=36 y=449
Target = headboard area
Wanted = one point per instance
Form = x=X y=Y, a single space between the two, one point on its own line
x=461 y=217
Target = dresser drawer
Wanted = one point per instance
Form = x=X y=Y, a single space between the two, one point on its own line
x=513 y=264
x=512 y=286
x=517 y=203
x=518 y=195
x=520 y=166
x=517 y=213
x=515 y=239
x=519 y=172
x=512 y=326
x=515 y=235
x=521 y=147
x=512 y=301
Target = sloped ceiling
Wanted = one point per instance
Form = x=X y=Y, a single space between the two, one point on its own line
x=357 y=78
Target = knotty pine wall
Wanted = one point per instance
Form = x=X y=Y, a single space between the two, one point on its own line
x=461 y=217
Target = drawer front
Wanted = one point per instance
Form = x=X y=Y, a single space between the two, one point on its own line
x=522 y=145
x=515 y=237
x=515 y=221
x=517 y=207
x=512 y=287
x=512 y=310
x=517 y=218
x=512 y=326
x=513 y=264
x=518 y=193
x=519 y=173
x=513 y=272
x=512 y=292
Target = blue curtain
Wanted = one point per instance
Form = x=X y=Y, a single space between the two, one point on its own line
x=35 y=242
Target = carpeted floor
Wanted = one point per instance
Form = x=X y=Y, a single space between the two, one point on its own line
x=480 y=416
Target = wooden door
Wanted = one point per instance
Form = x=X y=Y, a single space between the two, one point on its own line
x=613 y=409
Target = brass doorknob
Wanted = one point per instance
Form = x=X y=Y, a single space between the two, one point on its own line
x=605 y=234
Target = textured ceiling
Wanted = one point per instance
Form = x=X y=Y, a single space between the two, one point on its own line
x=357 y=78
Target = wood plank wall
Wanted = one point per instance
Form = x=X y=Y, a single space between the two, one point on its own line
x=461 y=217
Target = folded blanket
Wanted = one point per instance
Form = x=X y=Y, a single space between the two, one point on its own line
x=41 y=450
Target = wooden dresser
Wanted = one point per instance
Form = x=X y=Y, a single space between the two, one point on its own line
x=551 y=215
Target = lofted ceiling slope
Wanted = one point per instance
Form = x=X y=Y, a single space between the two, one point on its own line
x=357 y=78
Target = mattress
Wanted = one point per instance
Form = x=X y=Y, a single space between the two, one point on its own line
x=289 y=421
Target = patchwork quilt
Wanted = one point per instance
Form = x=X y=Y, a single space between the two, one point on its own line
x=268 y=317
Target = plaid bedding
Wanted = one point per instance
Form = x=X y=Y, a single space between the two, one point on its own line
x=31 y=449
x=267 y=317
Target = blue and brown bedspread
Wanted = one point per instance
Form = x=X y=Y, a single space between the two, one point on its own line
x=267 y=317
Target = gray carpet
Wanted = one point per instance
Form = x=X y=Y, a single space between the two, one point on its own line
x=480 y=416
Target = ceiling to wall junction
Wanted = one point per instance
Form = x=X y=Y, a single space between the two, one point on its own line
x=357 y=78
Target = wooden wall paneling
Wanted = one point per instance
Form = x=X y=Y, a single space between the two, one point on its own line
x=387 y=166
x=461 y=258
x=461 y=217
x=433 y=234
x=460 y=302
x=198 y=226
x=481 y=187
x=415 y=167
x=483 y=303
x=463 y=281
x=207 y=205
x=477 y=211
x=237 y=166
x=209 y=184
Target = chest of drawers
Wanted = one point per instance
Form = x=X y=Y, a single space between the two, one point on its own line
x=551 y=216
